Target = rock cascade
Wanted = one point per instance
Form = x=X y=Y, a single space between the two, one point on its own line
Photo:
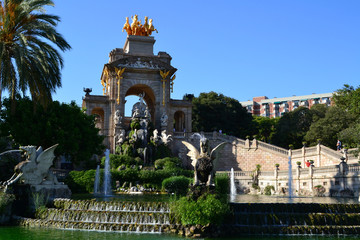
x=146 y=217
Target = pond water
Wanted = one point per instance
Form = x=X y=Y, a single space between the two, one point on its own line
x=243 y=198
x=284 y=199
x=17 y=233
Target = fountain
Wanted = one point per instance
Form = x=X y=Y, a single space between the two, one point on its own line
x=290 y=178
x=144 y=217
x=107 y=174
x=232 y=186
x=35 y=175
x=97 y=180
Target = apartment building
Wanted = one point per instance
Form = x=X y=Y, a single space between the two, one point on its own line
x=276 y=107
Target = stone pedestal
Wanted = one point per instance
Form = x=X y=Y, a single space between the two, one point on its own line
x=52 y=191
x=139 y=45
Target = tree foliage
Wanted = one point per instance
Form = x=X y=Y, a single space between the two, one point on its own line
x=264 y=127
x=292 y=127
x=29 y=59
x=351 y=136
x=214 y=112
x=61 y=123
x=328 y=128
x=348 y=99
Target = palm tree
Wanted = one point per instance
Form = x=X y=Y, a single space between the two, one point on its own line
x=29 y=59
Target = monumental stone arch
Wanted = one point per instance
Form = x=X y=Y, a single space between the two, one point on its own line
x=135 y=70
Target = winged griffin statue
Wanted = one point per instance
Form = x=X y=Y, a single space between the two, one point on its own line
x=35 y=169
x=204 y=162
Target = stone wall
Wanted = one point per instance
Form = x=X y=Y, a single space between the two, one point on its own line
x=335 y=180
x=244 y=155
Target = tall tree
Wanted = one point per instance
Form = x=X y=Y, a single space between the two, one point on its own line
x=65 y=124
x=29 y=59
x=328 y=128
x=348 y=98
x=292 y=127
x=264 y=127
x=214 y=112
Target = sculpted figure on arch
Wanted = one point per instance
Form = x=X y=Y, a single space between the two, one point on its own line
x=136 y=28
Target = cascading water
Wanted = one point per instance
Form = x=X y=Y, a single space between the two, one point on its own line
x=107 y=174
x=145 y=217
x=232 y=186
x=97 y=180
x=290 y=178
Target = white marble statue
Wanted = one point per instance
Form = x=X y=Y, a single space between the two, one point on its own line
x=147 y=113
x=117 y=117
x=155 y=137
x=164 y=138
x=35 y=169
x=164 y=120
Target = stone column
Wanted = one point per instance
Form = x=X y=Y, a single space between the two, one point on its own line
x=318 y=153
x=311 y=173
x=343 y=168
x=247 y=144
x=254 y=144
x=303 y=151
x=276 y=174
x=298 y=179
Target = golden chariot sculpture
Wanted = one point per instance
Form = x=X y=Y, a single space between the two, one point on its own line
x=136 y=28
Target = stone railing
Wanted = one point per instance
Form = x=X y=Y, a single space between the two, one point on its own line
x=237 y=173
x=326 y=169
x=311 y=150
x=331 y=152
x=273 y=148
x=304 y=180
x=354 y=168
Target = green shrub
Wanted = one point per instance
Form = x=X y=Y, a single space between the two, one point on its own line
x=177 y=184
x=127 y=175
x=255 y=186
x=268 y=188
x=167 y=163
x=162 y=151
x=81 y=181
x=207 y=209
x=118 y=160
x=135 y=124
x=127 y=149
x=222 y=183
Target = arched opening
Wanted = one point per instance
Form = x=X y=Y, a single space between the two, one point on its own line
x=179 y=121
x=99 y=119
x=131 y=98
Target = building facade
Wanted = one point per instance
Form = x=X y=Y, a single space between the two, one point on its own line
x=276 y=107
x=135 y=70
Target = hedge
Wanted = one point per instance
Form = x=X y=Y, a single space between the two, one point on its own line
x=177 y=184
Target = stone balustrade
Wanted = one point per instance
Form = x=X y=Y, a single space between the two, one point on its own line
x=335 y=180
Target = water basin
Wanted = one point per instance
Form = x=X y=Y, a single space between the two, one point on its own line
x=245 y=198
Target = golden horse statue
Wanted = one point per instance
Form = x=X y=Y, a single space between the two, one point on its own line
x=127 y=27
x=135 y=25
x=136 y=28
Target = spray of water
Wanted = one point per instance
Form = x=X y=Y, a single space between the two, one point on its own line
x=97 y=180
x=107 y=174
x=290 y=178
x=232 y=186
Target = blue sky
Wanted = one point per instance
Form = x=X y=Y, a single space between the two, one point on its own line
x=240 y=48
